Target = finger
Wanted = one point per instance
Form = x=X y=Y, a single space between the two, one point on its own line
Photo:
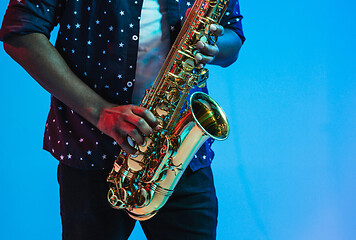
x=121 y=139
x=217 y=30
x=203 y=59
x=187 y=12
x=136 y=136
x=207 y=49
x=138 y=122
x=127 y=148
x=146 y=115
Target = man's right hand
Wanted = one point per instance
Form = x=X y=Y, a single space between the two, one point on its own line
x=38 y=56
x=121 y=122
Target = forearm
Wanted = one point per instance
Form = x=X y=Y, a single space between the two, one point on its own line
x=43 y=62
x=229 y=46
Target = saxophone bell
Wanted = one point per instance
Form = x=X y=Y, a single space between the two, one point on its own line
x=204 y=119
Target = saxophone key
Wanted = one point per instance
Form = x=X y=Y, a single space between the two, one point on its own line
x=188 y=65
x=162 y=110
x=135 y=162
x=114 y=200
x=131 y=142
x=145 y=145
x=141 y=197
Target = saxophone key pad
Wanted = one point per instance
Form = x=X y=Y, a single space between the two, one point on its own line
x=143 y=147
x=135 y=162
x=131 y=142
x=188 y=65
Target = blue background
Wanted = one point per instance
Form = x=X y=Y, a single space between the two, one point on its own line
x=288 y=170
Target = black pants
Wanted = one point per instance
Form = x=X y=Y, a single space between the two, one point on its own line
x=189 y=214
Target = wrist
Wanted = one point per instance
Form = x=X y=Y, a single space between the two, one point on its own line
x=93 y=113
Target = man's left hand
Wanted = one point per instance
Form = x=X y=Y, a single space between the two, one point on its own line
x=208 y=52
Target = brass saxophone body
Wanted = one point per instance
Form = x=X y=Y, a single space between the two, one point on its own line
x=141 y=184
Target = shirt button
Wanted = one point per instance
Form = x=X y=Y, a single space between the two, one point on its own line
x=134 y=37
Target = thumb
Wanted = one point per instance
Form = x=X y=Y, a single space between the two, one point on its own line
x=187 y=12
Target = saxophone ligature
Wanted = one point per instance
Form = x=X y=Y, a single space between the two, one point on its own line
x=141 y=184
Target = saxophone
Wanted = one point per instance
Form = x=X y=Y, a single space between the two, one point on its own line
x=142 y=183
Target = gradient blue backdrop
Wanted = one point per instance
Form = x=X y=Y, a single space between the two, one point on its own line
x=288 y=170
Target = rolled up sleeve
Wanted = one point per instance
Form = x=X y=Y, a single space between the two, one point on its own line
x=30 y=16
x=232 y=19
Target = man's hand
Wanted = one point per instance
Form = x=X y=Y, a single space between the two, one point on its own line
x=121 y=122
x=208 y=52
x=224 y=52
